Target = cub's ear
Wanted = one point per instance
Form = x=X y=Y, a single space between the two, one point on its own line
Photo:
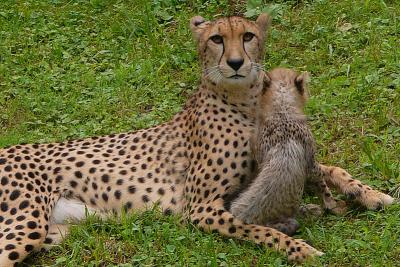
x=301 y=82
x=263 y=22
x=197 y=26
x=266 y=83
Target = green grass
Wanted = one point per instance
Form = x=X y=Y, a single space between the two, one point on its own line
x=70 y=69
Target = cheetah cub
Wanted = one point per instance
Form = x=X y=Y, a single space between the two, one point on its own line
x=284 y=148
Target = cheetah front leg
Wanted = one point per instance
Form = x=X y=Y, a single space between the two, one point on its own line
x=214 y=217
x=354 y=189
x=55 y=236
x=21 y=234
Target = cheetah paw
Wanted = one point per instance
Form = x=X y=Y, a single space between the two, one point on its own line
x=302 y=251
x=373 y=199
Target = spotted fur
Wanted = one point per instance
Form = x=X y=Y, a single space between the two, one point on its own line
x=190 y=165
x=284 y=148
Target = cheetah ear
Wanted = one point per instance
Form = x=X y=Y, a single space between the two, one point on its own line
x=301 y=83
x=263 y=22
x=197 y=26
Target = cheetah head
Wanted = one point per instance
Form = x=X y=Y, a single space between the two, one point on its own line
x=230 y=49
x=285 y=87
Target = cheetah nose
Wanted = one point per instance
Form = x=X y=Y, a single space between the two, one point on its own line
x=235 y=63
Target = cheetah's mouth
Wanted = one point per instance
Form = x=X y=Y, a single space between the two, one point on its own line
x=236 y=76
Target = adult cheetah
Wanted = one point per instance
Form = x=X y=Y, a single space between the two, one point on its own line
x=191 y=164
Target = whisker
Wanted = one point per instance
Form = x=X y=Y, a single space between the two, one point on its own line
x=211 y=73
x=216 y=76
x=211 y=68
x=220 y=76
x=257 y=66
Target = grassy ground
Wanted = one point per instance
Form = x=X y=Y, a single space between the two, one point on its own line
x=70 y=69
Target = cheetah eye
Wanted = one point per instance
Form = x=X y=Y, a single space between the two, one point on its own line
x=217 y=39
x=248 y=36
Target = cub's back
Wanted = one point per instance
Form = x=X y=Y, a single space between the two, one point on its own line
x=280 y=119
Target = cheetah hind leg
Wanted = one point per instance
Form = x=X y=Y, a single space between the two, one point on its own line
x=354 y=189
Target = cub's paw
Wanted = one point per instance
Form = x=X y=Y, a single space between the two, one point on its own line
x=288 y=226
x=340 y=209
x=310 y=211
x=299 y=251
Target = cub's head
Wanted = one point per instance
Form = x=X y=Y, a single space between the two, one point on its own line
x=230 y=49
x=285 y=89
